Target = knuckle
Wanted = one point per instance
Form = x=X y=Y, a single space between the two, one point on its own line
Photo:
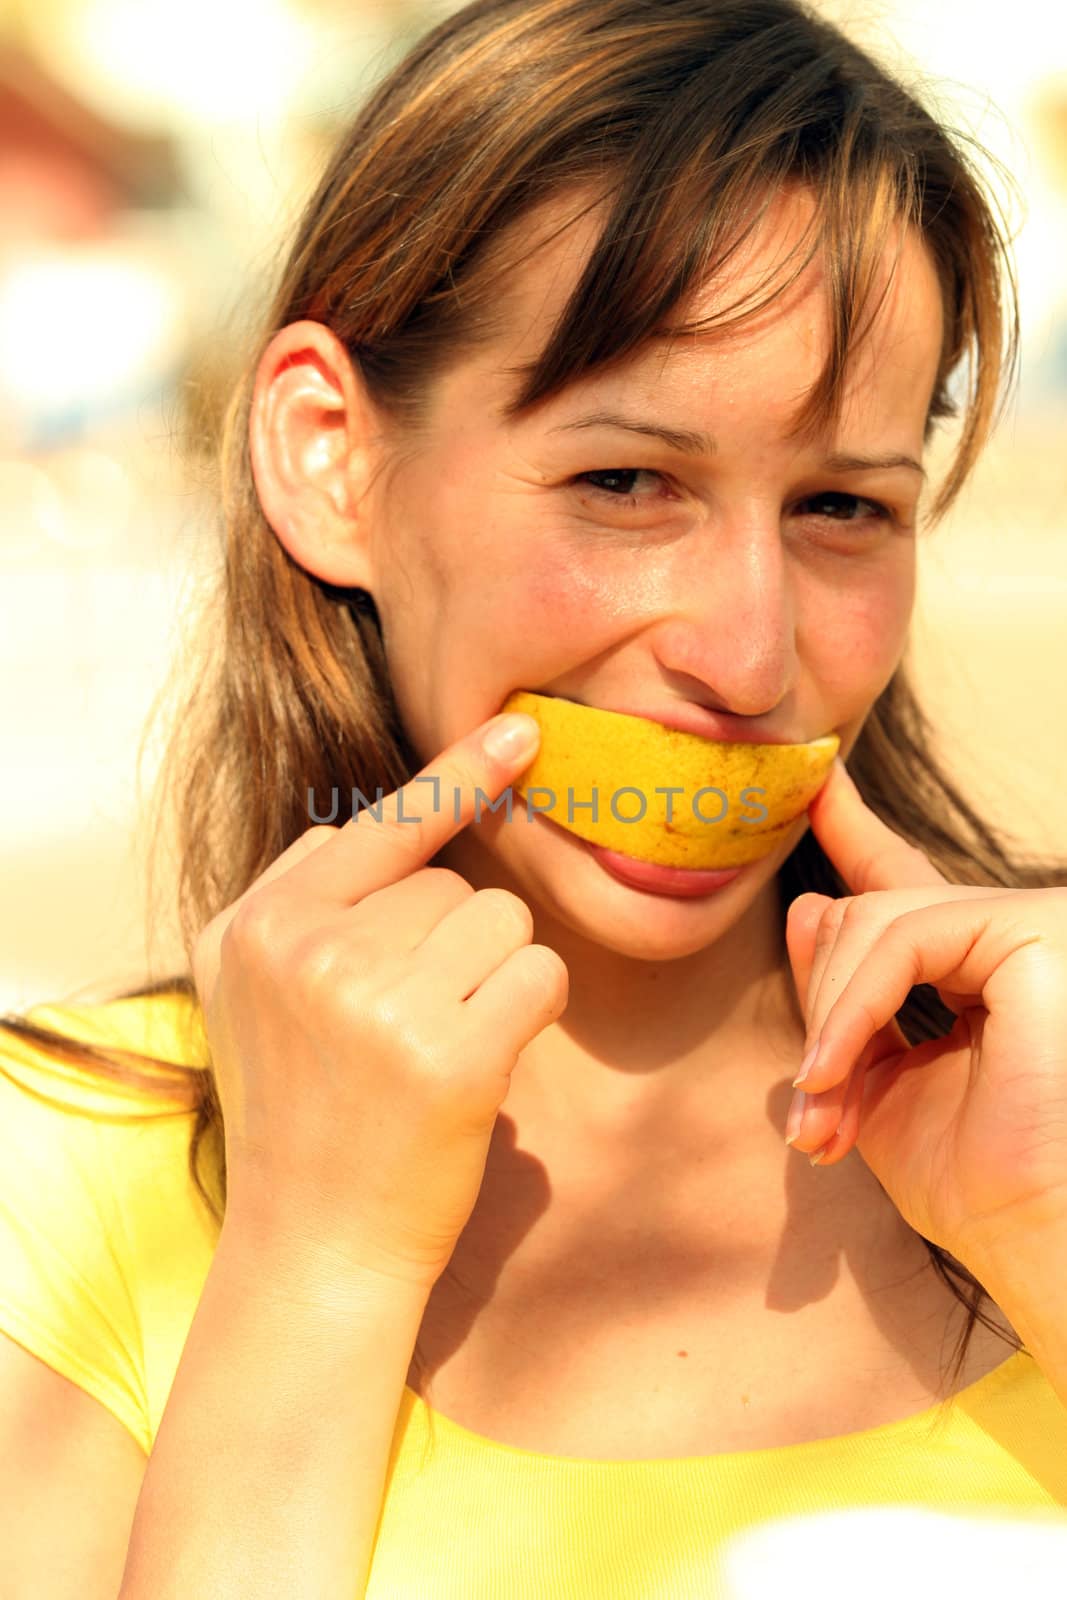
x=447 y=878
x=509 y=911
x=804 y=910
x=318 y=962
x=255 y=928
x=394 y=1016
x=406 y=836
x=318 y=834
x=548 y=967
x=385 y=1010
x=835 y=917
x=852 y=913
x=869 y=1011
x=796 y=907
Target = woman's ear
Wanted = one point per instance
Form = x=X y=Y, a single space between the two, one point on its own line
x=312 y=438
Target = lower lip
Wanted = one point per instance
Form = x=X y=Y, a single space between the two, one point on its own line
x=684 y=882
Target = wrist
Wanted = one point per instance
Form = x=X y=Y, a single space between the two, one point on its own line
x=1022 y=1266
x=294 y=1262
x=1005 y=1251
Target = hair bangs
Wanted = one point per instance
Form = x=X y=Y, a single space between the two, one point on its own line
x=643 y=267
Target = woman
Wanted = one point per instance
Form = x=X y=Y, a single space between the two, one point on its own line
x=602 y=365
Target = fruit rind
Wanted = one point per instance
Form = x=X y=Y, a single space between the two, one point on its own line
x=587 y=752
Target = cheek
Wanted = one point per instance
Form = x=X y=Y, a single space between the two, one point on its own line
x=565 y=594
x=857 y=643
x=513 y=614
x=546 y=599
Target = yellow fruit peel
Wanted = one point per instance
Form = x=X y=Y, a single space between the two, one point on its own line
x=585 y=752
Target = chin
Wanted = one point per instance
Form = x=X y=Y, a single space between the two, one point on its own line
x=576 y=890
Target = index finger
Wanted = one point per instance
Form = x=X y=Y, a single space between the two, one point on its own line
x=403 y=830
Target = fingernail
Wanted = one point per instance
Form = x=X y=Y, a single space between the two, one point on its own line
x=511 y=738
x=797 y=1107
x=817 y=1155
x=807 y=1063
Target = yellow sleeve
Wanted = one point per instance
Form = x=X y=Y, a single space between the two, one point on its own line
x=69 y=1268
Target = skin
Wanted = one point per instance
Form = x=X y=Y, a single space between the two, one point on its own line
x=660 y=1096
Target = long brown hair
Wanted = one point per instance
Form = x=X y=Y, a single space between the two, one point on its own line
x=684 y=116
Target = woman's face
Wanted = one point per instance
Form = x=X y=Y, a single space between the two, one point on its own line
x=750 y=579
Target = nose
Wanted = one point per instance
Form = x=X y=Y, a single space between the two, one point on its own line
x=731 y=629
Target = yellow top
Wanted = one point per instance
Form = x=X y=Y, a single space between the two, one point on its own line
x=104 y=1247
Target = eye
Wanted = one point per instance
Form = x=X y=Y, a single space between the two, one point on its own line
x=839 y=502
x=832 y=504
x=620 y=496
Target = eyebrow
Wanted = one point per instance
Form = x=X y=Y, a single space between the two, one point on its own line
x=695 y=443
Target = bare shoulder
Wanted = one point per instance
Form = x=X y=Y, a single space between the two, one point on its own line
x=70 y=1476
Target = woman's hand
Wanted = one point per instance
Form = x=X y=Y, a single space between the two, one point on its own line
x=967 y=1134
x=365 y=1013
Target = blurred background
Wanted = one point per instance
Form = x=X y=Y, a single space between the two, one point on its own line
x=153 y=157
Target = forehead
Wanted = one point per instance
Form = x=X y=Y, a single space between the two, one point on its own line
x=783 y=347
